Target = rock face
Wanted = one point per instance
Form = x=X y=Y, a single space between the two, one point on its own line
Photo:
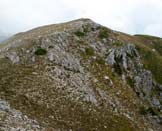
x=13 y=57
x=126 y=61
x=79 y=76
x=122 y=55
x=13 y=120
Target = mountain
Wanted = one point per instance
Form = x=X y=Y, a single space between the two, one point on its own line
x=80 y=76
x=2 y=38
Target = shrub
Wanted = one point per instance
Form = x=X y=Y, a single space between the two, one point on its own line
x=40 y=51
x=103 y=33
x=79 y=33
x=130 y=82
x=143 y=110
x=151 y=110
x=89 y=51
x=50 y=47
x=118 y=69
x=100 y=60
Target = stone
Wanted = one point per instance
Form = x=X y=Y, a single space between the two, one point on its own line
x=67 y=60
x=13 y=57
x=121 y=55
x=14 y=120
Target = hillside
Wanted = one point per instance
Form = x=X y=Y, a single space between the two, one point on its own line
x=80 y=76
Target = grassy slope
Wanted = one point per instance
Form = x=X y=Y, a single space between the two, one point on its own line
x=152 y=55
x=19 y=84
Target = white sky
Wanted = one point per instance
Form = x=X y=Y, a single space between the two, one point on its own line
x=130 y=16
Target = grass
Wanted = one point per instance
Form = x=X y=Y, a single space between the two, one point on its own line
x=152 y=61
x=31 y=94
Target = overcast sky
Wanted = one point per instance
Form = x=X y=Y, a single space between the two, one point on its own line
x=130 y=16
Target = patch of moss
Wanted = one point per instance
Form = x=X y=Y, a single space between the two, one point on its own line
x=41 y=51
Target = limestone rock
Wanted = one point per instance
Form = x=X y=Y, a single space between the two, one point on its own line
x=13 y=120
x=13 y=57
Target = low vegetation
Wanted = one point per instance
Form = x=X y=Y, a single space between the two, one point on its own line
x=103 y=33
x=152 y=61
x=149 y=110
x=89 y=51
x=41 y=51
x=79 y=33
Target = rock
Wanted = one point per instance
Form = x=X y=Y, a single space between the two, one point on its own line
x=111 y=58
x=121 y=55
x=14 y=120
x=13 y=57
x=67 y=60
x=155 y=101
x=109 y=80
x=144 y=80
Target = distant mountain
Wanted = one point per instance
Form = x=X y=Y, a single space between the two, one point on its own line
x=80 y=76
x=2 y=38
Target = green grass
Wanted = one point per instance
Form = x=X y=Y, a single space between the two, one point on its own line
x=153 y=62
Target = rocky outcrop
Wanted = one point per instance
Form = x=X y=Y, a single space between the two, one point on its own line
x=13 y=57
x=126 y=61
x=122 y=56
x=13 y=120
x=67 y=60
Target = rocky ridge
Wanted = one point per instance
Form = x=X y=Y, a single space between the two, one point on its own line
x=82 y=76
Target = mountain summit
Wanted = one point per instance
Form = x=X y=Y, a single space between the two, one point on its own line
x=80 y=76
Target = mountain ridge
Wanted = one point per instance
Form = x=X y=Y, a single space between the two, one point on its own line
x=81 y=75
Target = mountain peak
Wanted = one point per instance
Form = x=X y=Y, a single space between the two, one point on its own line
x=80 y=75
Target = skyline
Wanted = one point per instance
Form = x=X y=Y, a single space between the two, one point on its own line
x=129 y=16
